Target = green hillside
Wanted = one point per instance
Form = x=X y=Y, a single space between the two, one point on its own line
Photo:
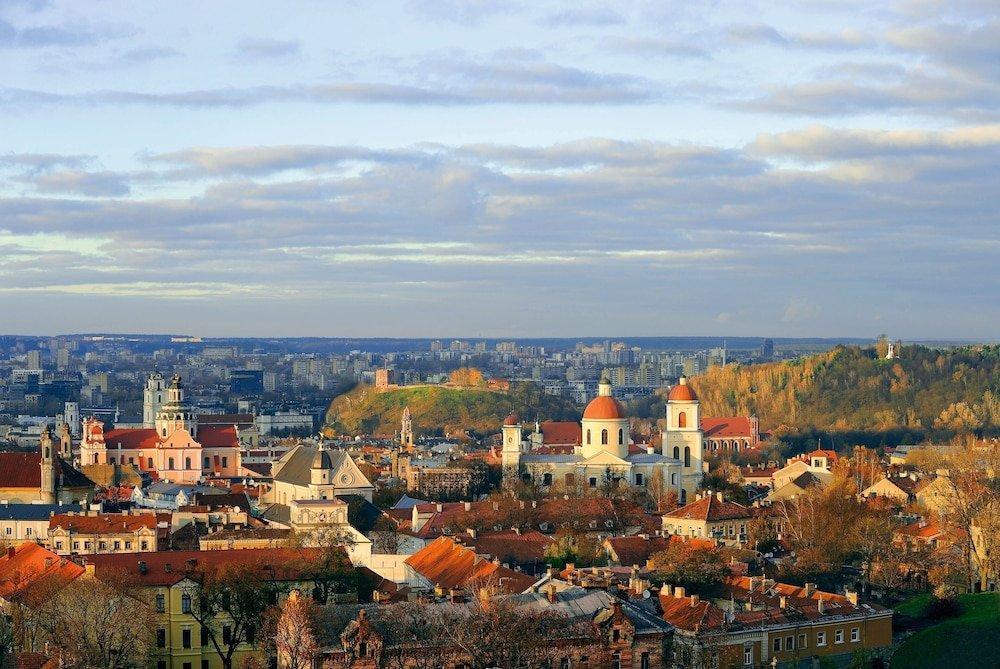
x=437 y=409
x=851 y=388
x=970 y=640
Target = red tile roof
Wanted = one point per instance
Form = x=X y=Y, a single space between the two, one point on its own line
x=446 y=563
x=604 y=407
x=635 y=550
x=710 y=508
x=169 y=567
x=726 y=426
x=131 y=438
x=24 y=470
x=32 y=570
x=509 y=546
x=107 y=523
x=560 y=432
x=218 y=437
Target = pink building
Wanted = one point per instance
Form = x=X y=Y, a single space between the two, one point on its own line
x=176 y=449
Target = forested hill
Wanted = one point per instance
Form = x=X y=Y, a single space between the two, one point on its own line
x=442 y=409
x=852 y=388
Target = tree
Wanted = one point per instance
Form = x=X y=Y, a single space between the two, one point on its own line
x=580 y=550
x=693 y=566
x=295 y=638
x=230 y=601
x=96 y=623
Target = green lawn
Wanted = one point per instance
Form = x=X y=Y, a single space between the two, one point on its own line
x=970 y=640
x=914 y=606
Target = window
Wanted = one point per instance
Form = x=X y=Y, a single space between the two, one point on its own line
x=149 y=462
x=616 y=661
x=363 y=649
x=204 y=664
x=604 y=437
x=790 y=643
x=802 y=641
x=204 y=636
x=677 y=453
x=58 y=545
x=76 y=545
x=777 y=644
x=144 y=545
x=748 y=657
x=838 y=636
x=186 y=638
x=593 y=481
x=855 y=634
x=186 y=665
x=161 y=603
x=820 y=638
x=638 y=478
x=170 y=463
x=161 y=638
x=547 y=478
x=207 y=463
x=687 y=456
x=644 y=661
x=588 y=437
x=682 y=419
x=128 y=545
x=227 y=635
x=187 y=463
x=185 y=603
x=118 y=545
x=161 y=664
x=673 y=478
x=225 y=461
x=564 y=663
x=621 y=436
x=102 y=545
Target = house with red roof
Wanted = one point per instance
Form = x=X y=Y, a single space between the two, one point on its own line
x=731 y=434
x=177 y=448
x=30 y=572
x=447 y=565
x=711 y=516
x=757 y=622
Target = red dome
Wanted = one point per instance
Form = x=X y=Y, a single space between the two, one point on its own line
x=511 y=419
x=682 y=392
x=604 y=407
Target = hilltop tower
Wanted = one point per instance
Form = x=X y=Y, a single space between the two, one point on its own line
x=512 y=447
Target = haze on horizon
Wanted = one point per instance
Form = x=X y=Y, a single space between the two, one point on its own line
x=501 y=169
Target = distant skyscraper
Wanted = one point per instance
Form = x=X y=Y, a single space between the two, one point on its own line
x=767 y=350
x=34 y=359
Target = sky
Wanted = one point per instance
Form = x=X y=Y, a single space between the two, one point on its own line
x=429 y=168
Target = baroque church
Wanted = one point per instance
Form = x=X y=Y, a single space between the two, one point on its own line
x=171 y=444
x=599 y=450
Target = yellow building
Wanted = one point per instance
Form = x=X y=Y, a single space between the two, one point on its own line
x=169 y=581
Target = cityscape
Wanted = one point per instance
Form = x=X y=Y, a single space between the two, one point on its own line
x=486 y=334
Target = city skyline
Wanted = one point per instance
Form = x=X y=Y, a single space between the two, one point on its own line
x=511 y=169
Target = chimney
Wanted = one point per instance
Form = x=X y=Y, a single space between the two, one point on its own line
x=852 y=597
x=718 y=496
x=667 y=590
x=570 y=566
x=810 y=589
x=551 y=592
x=783 y=602
x=534 y=504
x=650 y=565
x=439 y=507
x=694 y=600
x=467 y=505
x=679 y=592
x=649 y=450
x=471 y=531
x=517 y=530
x=820 y=605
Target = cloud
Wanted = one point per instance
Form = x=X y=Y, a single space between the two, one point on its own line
x=264 y=48
x=36 y=162
x=760 y=33
x=41 y=36
x=94 y=184
x=653 y=47
x=799 y=309
x=584 y=16
x=465 y=12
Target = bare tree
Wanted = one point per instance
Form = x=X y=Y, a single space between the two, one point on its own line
x=295 y=638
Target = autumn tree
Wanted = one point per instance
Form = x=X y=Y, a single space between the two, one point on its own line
x=467 y=377
x=98 y=623
x=691 y=565
x=229 y=601
x=295 y=637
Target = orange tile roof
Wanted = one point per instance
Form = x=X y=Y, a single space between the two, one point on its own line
x=446 y=563
x=635 y=550
x=169 y=567
x=560 y=432
x=131 y=438
x=709 y=508
x=218 y=437
x=604 y=407
x=31 y=570
x=107 y=523
x=726 y=426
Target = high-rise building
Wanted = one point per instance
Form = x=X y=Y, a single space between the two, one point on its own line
x=767 y=350
x=34 y=359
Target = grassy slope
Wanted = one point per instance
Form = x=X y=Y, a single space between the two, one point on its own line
x=970 y=640
x=435 y=407
x=850 y=388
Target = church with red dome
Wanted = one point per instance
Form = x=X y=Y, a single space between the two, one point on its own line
x=599 y=452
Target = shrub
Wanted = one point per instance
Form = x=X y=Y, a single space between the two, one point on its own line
x=941 y=608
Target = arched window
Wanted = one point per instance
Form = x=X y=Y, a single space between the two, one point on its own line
x=185 y=603
x=95 y=458
x=677 y=453
x=604 y=437
x=187 y=463
x=588 y=437
x=621 y=436
x=682 y=419
x=684 y=496
x=547 y=478
x=687 y=456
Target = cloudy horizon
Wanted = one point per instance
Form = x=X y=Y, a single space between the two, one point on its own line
x=501 y=169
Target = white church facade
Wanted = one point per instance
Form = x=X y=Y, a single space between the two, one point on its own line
x=604 y=453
